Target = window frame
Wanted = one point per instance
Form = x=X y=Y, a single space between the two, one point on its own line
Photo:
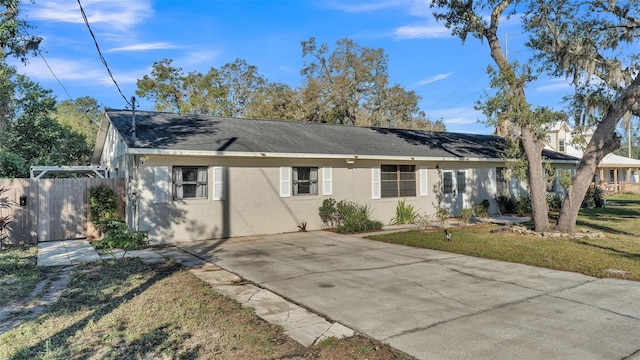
x=398 y=181
x=178 y=194
x=311 y=182
x=562 y=145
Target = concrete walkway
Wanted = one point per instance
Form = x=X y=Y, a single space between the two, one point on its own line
x=298 y=323
x=65 y=253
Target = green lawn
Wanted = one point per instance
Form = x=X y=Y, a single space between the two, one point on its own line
x=619 y=249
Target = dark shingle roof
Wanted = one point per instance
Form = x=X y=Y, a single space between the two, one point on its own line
x=166 y=131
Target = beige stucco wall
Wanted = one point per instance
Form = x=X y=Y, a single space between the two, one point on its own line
x=253 y=205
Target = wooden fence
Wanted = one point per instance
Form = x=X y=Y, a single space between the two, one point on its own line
x=52 y=209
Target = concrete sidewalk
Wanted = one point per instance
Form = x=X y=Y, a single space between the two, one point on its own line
x=66 y=252
x=299 y=323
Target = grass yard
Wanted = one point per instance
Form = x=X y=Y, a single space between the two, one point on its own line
x=125 y=309
x=618 y=250
x=18 y=273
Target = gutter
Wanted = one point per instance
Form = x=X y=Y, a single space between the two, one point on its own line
x=249 y=154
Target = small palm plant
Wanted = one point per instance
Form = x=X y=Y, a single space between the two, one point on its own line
x=405 y=214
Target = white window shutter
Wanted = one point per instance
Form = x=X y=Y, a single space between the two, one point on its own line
x=327 y=180
x=493 y=180
x=285 y=181
x=160 y=184
x=424 y=189
x=375 y=182
x=218 y=183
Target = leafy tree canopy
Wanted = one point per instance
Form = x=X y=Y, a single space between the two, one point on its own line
x=33 y=137
x=346 y=86
x=81 y=115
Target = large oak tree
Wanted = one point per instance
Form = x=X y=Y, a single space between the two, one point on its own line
x=514 y=116
x=594 y=44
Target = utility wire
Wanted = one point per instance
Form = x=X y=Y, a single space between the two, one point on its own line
x=54 y=74
x=104 y=61
x=62 y=86
x=462 y=87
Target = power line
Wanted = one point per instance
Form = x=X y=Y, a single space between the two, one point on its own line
x=462 y=87
x=63 y=87
x=104 y=61
x=54 y=75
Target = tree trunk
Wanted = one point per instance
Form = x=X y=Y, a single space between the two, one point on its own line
x=532 y=147
x=603 y=141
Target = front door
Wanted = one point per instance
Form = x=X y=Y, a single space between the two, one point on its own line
x=454 y=191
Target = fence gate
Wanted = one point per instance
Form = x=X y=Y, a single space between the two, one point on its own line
x=52 y=209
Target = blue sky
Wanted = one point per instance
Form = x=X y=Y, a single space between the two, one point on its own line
x=197 y=35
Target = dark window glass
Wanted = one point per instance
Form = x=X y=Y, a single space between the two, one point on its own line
x=305 y=181
x=397 y=180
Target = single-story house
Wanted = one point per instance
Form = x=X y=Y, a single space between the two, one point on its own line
x=193 y=177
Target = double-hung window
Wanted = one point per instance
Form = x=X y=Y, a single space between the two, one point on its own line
x=305 y=181
x=397 y=180
x=190 y=182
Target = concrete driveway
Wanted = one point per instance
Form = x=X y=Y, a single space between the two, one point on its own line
x=437 y=305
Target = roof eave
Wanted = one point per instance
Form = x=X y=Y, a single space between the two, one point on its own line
x=248 y=154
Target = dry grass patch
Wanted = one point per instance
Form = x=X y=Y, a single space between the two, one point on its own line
x=18 y=273
x=125 y=309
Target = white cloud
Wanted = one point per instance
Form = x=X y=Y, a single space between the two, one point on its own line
x=432 y=79
x=64 y=69
x=87 y=73
x=554 y=85
x=116 y=14
x=363 y=6
x=422 y=32
x=458 y=119
x=144 y=47
x=421 y=8
x=199 y=57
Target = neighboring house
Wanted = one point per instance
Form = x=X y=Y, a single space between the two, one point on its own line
x=612 y=171
x=193 y=177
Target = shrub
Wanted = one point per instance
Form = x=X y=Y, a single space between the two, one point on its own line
x=328 y=212
x=507 y=204
x=486 y=204
x=355 y=218
x=442 y=215
x=598 y=196
x=594 y=197
x=424 y=220
x=103 y=206
x=481 y=211
x=5 y=220
x=118 y=236
x=465 y=215
x=554 y=201
x=523 y=205
x=405 y=214
x=347 y=216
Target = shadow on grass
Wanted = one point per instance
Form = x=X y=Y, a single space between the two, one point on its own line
x=603 y=228
x=94 y=287
x=626 y=254
x=154 y=344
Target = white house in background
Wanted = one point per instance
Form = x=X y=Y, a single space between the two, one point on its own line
x=612 y=170
x=194 y=177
